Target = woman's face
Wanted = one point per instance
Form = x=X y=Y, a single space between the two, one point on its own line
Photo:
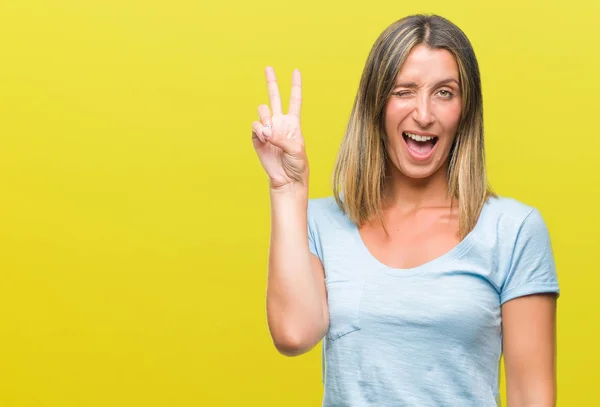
x=422 y=114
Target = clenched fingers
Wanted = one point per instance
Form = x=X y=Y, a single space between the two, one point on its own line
x=257 y=131
x=265 y=118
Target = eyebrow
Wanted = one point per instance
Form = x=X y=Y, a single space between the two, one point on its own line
x=413 y=85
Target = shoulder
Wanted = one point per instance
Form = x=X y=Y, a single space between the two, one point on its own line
x=328 y=226
x=524 y=250
x=322 y=204
x=325 y=214
x=512 y=241
x=509 y=228
x=502 y=206
x=506 y=223
x=509 y=216
x=324 y=208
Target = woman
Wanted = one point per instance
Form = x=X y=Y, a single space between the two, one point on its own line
x=415 y=275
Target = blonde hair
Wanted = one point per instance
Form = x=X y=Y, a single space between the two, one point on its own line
x=360 y=168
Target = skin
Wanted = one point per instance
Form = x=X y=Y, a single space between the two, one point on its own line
x=297 y=309
x=419 y=207
x=426 y=100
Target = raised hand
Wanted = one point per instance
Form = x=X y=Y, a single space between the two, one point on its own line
x=277 y=137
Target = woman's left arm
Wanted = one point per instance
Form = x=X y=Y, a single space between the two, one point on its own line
x=529 y=347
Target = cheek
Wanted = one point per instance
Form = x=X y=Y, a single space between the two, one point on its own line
x=452 y=118
x=394 y=144
x=455 y=114
x=395 y=112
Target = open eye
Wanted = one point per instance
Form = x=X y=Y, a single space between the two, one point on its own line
x=445 y=93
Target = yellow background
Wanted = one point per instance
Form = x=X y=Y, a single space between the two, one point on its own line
x=134 y=216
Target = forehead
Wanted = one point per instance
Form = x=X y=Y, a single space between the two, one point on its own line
x=425 y=64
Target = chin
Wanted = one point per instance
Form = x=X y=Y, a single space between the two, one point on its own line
x=417 y=172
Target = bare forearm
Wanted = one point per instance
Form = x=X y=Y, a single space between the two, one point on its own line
x=540 y=404
x=294 y=303
x=532 y=398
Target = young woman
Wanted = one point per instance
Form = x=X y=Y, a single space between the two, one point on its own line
x=414 y=274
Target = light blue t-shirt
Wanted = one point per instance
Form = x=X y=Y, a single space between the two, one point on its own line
x=429 y=335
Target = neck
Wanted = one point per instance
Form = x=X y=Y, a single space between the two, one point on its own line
x=407 y=194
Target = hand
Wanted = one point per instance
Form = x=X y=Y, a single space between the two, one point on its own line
x=277 y=139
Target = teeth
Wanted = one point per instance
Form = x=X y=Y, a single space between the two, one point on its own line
x=417 y=137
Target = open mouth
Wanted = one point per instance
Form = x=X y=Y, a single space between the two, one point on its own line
x=419 y=145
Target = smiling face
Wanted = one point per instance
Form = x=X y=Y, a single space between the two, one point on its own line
x=423 y=112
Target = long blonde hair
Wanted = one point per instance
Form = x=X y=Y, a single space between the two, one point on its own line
x=360 y=168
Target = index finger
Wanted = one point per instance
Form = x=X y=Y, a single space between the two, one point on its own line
x=296 y=98
x=273 y=90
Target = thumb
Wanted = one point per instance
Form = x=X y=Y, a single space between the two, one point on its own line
x=288 y=143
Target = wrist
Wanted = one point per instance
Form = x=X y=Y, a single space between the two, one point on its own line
x=292 y=188
x=293 y=191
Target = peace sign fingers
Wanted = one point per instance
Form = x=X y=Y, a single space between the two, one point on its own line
x=277 y=137
x=296 y=97
x=273 y=90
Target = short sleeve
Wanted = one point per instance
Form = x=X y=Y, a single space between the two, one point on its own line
x=314 y=242
x=532 y=268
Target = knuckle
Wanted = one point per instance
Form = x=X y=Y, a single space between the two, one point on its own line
x=296 y=148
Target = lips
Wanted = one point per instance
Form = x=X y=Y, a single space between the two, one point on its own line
x=420 y=147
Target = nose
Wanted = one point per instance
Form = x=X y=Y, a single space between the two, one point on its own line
x=423 y=113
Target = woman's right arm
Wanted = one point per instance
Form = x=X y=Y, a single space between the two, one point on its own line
x=296 y=296
x=297 y=312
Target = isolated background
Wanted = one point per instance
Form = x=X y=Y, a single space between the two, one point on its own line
x=134 y=215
